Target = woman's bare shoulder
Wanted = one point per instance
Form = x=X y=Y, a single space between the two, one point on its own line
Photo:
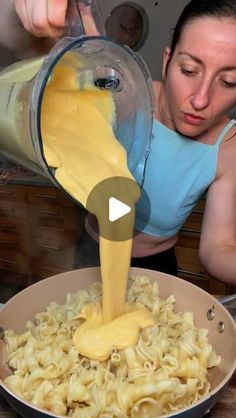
x=230 y=136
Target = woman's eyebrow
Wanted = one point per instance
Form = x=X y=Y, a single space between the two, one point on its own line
x=196 y=59
x=191 y=56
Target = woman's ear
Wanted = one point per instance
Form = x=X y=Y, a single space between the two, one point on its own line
x=166 y=60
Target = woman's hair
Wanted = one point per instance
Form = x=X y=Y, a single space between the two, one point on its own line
x=202 y=8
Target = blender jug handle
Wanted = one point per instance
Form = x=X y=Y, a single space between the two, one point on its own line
x=83 y=18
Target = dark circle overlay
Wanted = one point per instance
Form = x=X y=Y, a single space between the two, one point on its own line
x=126 y=191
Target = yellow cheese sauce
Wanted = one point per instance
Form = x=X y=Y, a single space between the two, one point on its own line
x=97 y=339
x=78 y=141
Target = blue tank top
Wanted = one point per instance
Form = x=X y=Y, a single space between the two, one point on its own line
x=177 y=173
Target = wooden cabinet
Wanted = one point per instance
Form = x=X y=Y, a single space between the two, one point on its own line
x=39 y=230
x=14 y=230
x=189 y=265
x=40 y=227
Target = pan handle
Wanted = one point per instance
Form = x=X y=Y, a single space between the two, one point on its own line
x=225 y=301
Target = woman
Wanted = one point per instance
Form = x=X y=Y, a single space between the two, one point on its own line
x=194 y=145
x=194 y=141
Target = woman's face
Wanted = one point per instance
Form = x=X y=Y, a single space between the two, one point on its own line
x=200 y=82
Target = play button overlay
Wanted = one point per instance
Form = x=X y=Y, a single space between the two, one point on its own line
x=117 y=209
x=115 y=202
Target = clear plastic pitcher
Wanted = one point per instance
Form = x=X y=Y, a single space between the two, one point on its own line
x=112 y=67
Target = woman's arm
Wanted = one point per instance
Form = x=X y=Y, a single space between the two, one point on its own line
x=218 y=236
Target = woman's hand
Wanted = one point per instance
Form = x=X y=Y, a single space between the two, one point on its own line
x=42 y=18
x=40 y=23
x=47 y=18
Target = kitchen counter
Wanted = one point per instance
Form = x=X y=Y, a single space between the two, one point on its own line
x=15 y=174
x=225 y=408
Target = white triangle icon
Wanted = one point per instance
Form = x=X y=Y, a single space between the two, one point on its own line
x=117 y=209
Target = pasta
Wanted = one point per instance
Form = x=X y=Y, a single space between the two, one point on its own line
x=165 y=371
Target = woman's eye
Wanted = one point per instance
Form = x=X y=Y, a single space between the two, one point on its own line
x=228 y=84
x=187 y=72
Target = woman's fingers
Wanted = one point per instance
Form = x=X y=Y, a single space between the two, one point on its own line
x=37 y=17
x=56 y=12
x=20 y=8
x=44 y=18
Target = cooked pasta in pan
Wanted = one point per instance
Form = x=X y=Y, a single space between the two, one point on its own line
x=165 y=371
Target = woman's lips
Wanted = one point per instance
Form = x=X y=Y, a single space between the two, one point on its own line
x=192 y=119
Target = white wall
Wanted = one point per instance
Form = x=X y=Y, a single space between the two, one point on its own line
x=162 y=18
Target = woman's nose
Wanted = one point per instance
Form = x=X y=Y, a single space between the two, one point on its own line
x=202 y=96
